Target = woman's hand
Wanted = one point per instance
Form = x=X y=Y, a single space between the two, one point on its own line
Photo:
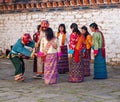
x=32 y=55
x=95 y=53
x=36 y=45
x=35 y=54
x=55 y=46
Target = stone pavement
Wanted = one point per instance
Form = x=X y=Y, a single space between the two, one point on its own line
x=34 y=90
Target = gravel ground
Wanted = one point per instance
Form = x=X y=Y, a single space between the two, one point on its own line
x=34 y=90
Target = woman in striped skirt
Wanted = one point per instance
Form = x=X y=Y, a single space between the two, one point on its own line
x=76 y=70
x=63 y=65
x=87 y=57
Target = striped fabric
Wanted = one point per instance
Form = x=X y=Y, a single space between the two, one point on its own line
x=76 y=71
x=86 y=62
x=50 y=69
x=63 y=65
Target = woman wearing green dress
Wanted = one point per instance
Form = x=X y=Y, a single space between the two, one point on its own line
x=100 y=70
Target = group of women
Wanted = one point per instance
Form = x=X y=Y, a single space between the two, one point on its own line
x=61 y=53
x=74 y=55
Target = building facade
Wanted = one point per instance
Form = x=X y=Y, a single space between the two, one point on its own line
x=14 y=23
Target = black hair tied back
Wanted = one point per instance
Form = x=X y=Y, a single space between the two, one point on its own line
x=94 y=25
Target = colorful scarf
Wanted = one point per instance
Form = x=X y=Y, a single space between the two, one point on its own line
x=78 y=48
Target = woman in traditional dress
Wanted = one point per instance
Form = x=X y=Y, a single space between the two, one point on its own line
x=87 y=57
x=63 y=65
x=17 y=52
x=76 y=50
x=100 y=70
x=49 y=48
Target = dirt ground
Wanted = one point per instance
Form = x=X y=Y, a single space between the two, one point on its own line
x=34 y=90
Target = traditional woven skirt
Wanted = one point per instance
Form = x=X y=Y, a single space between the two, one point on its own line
x=76 y=70
x=63 y=65
x=86 y=62
x=100 y=70
x=51 y=69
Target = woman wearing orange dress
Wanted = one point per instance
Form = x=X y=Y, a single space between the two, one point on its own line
x=87 y=56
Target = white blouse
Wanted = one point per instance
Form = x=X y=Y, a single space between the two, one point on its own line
x=44 y=43
x=60 y=40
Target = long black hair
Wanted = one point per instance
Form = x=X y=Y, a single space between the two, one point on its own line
x=77 y=31
x=49 y=34
x=86 y=33
x=62 y=25
x=94 y=25
x=74 y=26
x=38 y=27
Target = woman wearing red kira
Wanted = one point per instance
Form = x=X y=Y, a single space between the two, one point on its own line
x=76 y=51
x=38 y=67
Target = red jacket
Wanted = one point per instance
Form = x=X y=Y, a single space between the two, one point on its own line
x=73 y=40
x=36 y=36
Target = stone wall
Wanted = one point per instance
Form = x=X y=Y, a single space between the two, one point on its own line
x=12 y=26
